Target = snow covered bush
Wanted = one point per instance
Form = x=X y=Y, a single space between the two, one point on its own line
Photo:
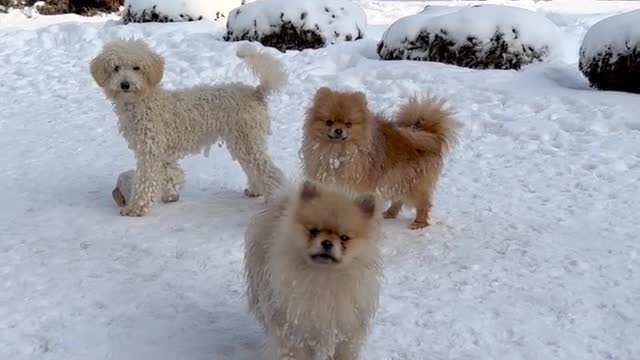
x=81 y=7
x=481 y=37
x=610 y=53
x=297 y=24
x=176 y=10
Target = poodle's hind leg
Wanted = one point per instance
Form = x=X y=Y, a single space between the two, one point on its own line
x=174 y=180
x=264 y=177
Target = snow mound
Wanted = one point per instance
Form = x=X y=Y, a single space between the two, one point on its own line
x=481 y=36
x=176 y=11
x=296 y=25
x=610 y=53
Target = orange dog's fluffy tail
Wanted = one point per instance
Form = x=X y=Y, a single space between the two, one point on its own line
x=427 y=124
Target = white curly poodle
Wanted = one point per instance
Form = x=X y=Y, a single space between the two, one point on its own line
x=163 y=126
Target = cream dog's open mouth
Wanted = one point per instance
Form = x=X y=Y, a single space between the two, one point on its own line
x=324 y=258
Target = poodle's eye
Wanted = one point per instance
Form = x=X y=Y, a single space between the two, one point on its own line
x=136 y=68
x=314 y=232
x=329 y=123
x=344 y=238
x=348 y=125
x=116 y=68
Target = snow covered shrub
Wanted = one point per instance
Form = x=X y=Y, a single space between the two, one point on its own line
x=81 y=7
x=297 y=24
x=610 y=53
x=141 y=11
x=5 y=5
x=480 y=37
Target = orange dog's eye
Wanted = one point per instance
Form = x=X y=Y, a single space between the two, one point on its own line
x=329 y=123
x=116 y=68
x=136 y=68
x=314 y=232
x=344 y=238
x=348 y=125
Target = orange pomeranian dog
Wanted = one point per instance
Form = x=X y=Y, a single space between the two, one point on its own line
x=344 y=143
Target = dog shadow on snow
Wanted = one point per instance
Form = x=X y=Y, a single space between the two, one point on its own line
x=185 y=330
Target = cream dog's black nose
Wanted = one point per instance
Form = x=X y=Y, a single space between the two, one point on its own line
x=125 y=85
x=326 y=245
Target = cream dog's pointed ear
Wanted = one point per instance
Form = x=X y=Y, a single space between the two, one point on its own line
x=368 y=203
x=309 y=190
x=154 y=68
x=98 y=68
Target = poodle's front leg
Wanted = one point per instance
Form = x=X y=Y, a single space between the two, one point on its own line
x=148 y=174
x=174 y=179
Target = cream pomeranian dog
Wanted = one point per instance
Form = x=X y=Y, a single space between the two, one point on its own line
x=312 y=269
x=346 y=144
x=162 y=126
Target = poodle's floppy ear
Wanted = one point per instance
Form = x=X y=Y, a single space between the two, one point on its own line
x=154 y=66
x=98 y=68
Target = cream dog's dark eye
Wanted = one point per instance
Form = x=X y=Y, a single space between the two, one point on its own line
x=344 y=238
x=116 y=68
x=314 y=232
x=348 y=125
x=136 y=68
x=329 y=123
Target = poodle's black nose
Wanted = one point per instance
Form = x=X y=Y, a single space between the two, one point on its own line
x=338 y=131
x=125 y=85
x=326 y=245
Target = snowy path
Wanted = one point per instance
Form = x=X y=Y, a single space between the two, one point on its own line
x=533 y=253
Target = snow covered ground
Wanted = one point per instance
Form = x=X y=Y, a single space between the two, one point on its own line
x=533 y=252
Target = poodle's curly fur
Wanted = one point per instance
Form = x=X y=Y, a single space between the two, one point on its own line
x=162 y=126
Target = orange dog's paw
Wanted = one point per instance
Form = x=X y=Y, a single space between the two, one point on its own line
x=415 y=225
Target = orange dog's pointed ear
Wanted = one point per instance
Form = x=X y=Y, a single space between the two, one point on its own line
x=309 y=190
x=323 y=93
x=361 y=98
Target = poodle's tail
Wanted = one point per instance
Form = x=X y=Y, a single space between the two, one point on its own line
x=433 y=128
x=267 y=69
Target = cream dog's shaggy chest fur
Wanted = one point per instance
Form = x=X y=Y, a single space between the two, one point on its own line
x=162 y=126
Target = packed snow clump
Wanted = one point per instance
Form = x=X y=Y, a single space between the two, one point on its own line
x=176 y=10
x=481 y=37
x=610 y=53
x=297 y=25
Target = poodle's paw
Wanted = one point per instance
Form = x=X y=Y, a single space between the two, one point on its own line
x=169 y=198
x=134 y=211
x=415 y=225
x=118 y=197
x=390 y=214
x=250 y=193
